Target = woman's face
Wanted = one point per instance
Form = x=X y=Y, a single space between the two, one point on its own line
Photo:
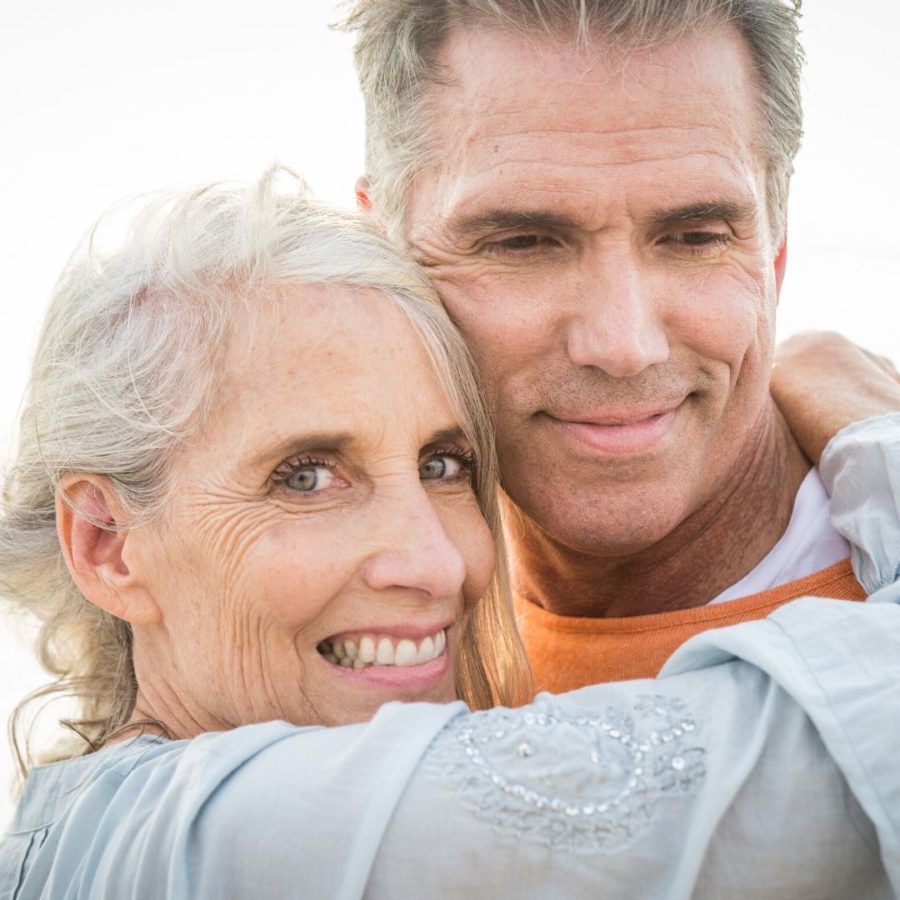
x=324 y=539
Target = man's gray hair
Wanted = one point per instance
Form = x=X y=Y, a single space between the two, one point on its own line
x=399 y=42
x=125 y=377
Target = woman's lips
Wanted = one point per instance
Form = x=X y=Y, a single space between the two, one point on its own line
x=389 y=660
x=399 y=677
x=623 y=433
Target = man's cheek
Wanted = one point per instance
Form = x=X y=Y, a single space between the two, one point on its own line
x=737 y=331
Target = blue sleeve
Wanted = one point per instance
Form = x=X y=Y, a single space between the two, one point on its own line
x=840 y=663
x=861 y=469
x=765 y=745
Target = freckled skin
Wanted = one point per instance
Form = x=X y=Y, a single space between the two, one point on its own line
x=251 y=575
x=598 y=229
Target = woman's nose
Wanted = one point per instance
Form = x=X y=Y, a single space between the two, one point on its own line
x=417 y=553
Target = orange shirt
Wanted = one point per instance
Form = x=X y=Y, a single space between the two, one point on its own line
x=568 y=652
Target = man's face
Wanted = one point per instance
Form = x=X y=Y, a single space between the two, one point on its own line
x=597 y=227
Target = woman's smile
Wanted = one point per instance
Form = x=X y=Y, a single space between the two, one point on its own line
x=375 y=648
x=388 y=660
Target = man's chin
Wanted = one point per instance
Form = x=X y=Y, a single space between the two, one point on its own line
x=604 y=523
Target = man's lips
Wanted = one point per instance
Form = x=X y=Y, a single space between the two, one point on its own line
x=621 y=430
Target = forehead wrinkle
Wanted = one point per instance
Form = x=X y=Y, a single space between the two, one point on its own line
x=481 y=112
x=565 y=128
x=618 y=149
x=492 y=177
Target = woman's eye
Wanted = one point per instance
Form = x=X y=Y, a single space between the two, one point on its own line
x=439 y=467
x=309 y=478
x=445 y=466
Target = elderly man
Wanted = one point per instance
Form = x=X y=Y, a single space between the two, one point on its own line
x=599 y=188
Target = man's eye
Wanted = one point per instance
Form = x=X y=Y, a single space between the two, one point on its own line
x=446 y=467
x=698 y=242
x=522 y=241
x=521 y=244
x=700 y=237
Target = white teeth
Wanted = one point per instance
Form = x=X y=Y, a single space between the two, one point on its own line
x=382 y=651
x=384 y=655
x=367 y=650
x=426 y=651
x=406 y=653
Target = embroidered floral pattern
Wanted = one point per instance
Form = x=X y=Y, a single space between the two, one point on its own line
x=551 y=774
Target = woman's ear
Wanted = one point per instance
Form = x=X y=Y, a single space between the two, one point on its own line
x=93 y=534
x=363 y=194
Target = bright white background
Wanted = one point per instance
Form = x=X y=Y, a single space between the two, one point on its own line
x=104 y=98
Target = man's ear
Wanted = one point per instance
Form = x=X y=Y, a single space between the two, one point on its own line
x=781 y=264
x=363 y=194
x=94 y=538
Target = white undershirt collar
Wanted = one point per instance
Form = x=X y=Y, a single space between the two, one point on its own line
x=808 y=545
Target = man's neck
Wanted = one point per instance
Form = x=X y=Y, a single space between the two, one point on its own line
x=712 y=549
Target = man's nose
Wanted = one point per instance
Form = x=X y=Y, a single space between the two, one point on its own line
x=616 y=324
x=415 y=551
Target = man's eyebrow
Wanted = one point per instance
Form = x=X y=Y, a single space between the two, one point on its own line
x=507 y=219
x=512 y=220
x=717 y=210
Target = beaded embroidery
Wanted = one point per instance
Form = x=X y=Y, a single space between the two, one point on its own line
x=553 y=775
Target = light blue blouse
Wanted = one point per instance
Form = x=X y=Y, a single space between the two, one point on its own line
x=761 y=763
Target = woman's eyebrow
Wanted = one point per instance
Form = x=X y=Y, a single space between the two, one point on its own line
x=295 y=444
x=337 y=441
x=453 y=434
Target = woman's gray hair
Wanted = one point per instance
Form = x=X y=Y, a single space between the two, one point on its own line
x=399 y=42
x=124 y=376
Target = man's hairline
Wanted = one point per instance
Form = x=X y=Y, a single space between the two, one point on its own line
x=398 y=225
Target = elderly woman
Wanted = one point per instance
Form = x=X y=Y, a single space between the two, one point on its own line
x=255 y=496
